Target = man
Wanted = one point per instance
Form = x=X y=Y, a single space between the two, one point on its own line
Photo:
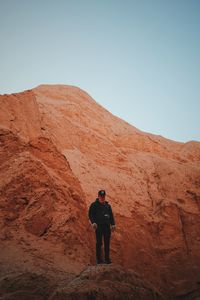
x=102 y=219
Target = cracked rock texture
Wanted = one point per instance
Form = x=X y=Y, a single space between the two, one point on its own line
x=58 y=147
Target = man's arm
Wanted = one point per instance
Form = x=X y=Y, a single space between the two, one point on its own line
x=112 y=219
x=91 y=213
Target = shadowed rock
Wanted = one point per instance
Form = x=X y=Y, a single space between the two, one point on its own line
x=107 y=282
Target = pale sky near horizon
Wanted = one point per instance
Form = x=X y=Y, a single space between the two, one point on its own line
x=140 y=59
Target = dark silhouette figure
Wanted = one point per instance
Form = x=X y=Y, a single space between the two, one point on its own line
x=102 y=220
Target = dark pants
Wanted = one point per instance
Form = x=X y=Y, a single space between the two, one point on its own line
x=103 y=231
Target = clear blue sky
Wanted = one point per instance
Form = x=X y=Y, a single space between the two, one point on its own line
x=140 y=59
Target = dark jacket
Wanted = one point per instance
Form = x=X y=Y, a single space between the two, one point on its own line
x=101 y=213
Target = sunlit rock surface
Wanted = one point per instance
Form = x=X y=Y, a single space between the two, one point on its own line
x=58 y=147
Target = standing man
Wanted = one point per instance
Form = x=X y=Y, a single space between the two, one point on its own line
x=102 y=219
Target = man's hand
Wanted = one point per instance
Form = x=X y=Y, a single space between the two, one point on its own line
x=94 y=225
x=113 y=227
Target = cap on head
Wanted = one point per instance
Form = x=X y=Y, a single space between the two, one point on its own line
x=101 y=193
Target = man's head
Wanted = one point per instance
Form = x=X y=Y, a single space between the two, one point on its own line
x=102 y=195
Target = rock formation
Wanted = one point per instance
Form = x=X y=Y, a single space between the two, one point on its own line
x=101 y=282
x=58 y=147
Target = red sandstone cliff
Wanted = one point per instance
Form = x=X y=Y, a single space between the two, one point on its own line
x=58 y=148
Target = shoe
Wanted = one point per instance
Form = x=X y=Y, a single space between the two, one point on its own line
x=100 y=262
x=108 y=261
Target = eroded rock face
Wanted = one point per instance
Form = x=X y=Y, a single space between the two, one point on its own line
x=42 y=204
x=58 y=148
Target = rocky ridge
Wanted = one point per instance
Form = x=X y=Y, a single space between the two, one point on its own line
x=58 y=148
